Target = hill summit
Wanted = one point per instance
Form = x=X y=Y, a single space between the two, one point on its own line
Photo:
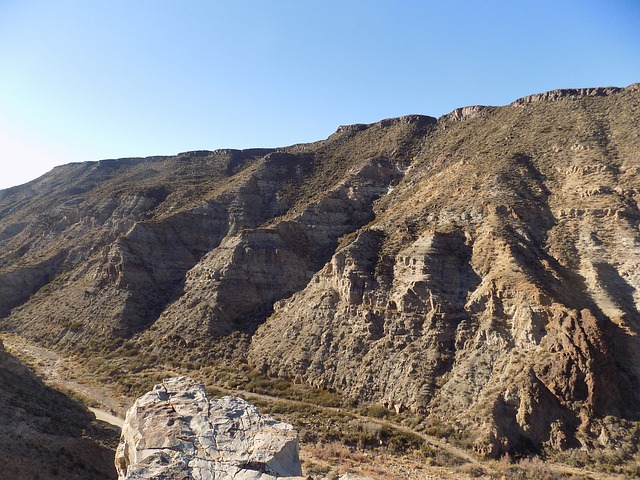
x=481 y=270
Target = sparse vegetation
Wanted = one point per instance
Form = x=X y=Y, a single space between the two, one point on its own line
x=493 y=273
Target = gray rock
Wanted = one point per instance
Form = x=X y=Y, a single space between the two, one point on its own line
x=175 y=432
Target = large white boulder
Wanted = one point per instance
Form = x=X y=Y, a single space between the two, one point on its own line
x=174 y=432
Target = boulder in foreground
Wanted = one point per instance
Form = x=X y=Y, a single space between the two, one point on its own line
x=175 y=432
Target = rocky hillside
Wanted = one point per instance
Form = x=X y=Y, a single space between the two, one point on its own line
x=44 y=434
x=481 y=269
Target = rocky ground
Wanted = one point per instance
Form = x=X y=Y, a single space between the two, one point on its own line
x=436 y=459
x=66 y=375
x=46 y=435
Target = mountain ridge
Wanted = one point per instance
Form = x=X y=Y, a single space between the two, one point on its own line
x=477 y=269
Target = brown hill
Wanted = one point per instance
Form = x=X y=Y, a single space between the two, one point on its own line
x=480 y=270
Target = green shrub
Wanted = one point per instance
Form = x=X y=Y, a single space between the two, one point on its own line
x=376 y=411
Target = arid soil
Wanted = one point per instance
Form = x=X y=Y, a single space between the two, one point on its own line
x=325 y=459
x=45 y=434
x=68 y=376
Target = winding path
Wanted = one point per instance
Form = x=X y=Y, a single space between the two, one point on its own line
x=49 y=366
x=53 y=369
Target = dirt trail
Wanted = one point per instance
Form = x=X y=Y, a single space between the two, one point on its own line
x=434 y=441
x=62 y=374
x=462 y=454
x=107 y=417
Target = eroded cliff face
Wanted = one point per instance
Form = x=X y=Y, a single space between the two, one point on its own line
x=481 y=269
x=497 y=287
x=170 y=242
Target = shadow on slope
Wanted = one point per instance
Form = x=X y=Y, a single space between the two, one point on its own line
x=44 y=434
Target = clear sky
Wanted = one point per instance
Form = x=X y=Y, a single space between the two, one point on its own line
x=93 y=79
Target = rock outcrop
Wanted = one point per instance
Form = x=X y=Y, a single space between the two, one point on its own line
x=175 y=432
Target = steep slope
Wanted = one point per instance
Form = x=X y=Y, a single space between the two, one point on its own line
x=480 y=270
x=168 y=241
x=43 y=434
x=497 y=288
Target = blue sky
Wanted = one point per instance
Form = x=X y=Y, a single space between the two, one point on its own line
x=87 y=80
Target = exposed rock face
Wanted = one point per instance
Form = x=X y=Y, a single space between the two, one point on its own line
x=481 y=269
x=468 y=113
x=554 y=95
x=43 y=434
x=493 y=290
x=175 y=432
